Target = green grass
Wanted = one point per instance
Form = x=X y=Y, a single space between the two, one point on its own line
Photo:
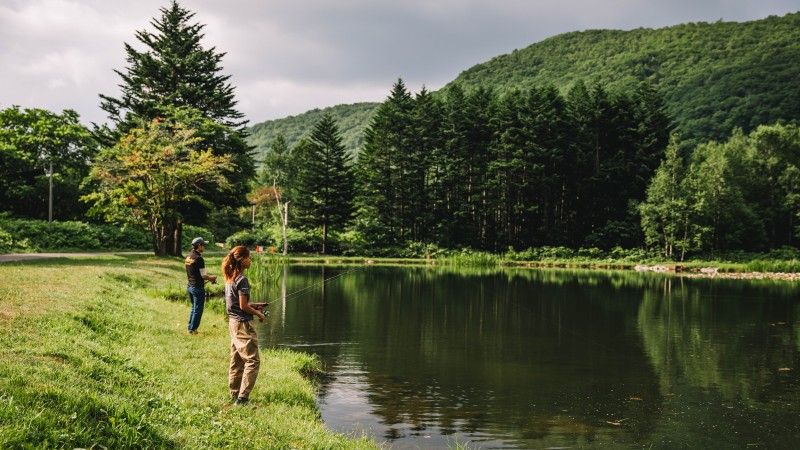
x=481 y=259
x=93 y=356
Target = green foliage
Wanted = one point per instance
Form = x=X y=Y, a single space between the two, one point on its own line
x=528 y=168
x=665 y=213
x=323 y=190
x=6 y=241
x=714 y=76
x=469 y=258
x=38 y=235
x=191 y=231
x=30 y=141
x=352 y=120
x=149 y=174
x=170 y=76
x=736 y=195
x=173 y=70
x=249 y=238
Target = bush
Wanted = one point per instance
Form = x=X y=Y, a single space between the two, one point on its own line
x=191 y=231
x=249 y=238
x=6 y=242
x=38 y=235
x=112 y=236
x=416 y=249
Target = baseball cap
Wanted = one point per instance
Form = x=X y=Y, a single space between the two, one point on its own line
x=198 y=241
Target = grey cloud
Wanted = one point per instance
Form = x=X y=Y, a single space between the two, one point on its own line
x=288 y=56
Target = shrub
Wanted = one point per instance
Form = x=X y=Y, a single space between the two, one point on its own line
x=249 y=238
x=6 y=242
x=471 y=258
x=416 y=249
x=191 y=231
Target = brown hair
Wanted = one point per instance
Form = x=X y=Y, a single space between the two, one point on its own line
x=232 y=264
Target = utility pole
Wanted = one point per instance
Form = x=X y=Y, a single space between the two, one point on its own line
x=50 y=200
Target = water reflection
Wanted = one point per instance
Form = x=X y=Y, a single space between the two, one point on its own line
x=530 y=358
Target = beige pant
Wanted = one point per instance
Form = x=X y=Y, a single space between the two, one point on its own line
x=244 y=358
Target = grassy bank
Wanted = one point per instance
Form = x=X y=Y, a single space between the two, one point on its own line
x=93 y=356
x=491 y=260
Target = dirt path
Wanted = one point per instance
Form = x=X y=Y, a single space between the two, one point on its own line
x=12 y=257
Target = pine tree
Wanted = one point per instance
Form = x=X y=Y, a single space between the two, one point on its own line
x=325 y=184
x=174 y=70
x=425 y=143
x=384 y=171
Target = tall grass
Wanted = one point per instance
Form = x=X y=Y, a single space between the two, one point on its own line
x=264 y=274
x=760 y=265
x=466 y=258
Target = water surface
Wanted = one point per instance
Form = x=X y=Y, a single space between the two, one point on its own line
x=427 y=358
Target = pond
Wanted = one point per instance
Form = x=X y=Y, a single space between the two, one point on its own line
x=434 y=358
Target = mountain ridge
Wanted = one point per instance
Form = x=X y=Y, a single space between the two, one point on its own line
x=714 y=76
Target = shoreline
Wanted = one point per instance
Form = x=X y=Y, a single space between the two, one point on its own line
x=689 y=269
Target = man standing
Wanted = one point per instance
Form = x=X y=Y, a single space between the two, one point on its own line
x=197 y=274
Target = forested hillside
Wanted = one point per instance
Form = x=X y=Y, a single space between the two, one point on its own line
x=713 y=76
x=352 y=120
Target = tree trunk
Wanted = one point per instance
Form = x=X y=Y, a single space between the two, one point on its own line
x=285 y=224
x=324 y=236
x=178 y=239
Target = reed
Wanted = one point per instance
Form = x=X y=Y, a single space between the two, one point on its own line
x=264 y=274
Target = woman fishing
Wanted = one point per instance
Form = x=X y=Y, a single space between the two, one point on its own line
x=245 y=360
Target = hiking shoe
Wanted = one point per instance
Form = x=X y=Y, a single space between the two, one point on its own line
x=241 y=401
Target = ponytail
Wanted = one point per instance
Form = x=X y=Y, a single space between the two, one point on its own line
x=232 y=264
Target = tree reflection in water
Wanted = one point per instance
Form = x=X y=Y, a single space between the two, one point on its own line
x=537 y=358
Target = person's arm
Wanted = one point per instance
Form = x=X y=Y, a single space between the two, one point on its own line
x=207 y=277
x=203 y=272
x=244 y=305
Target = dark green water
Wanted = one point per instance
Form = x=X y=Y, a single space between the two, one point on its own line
x=535 y=359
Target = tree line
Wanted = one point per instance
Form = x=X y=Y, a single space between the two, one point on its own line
x=482 y=170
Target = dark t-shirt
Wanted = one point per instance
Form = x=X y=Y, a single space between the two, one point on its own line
x=194 y=262
x=233 y=288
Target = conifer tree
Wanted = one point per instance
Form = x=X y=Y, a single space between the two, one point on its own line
x=384 y=168
x=175 y=72
x=325 y=184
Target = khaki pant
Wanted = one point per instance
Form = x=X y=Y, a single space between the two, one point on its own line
x=244 y=358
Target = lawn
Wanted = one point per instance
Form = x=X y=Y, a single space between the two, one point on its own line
x=92 y=355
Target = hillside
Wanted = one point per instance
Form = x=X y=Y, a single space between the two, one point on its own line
x=714 y=76
x=352 y=120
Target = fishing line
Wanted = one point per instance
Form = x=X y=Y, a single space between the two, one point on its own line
x=319 y=283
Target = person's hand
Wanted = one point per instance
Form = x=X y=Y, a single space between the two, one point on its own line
x=213 y=279
x=261 y=316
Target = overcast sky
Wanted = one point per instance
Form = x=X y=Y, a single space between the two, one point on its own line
x=286 y=57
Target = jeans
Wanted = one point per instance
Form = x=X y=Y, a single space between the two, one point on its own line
x=197 y=296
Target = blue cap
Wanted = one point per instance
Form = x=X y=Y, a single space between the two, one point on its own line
x=198 y=241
